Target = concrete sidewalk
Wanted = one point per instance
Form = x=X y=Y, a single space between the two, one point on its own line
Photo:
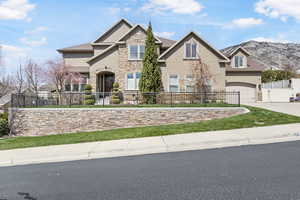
x=161 y=144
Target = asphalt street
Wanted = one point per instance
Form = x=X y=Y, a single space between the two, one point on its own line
x=250 y=172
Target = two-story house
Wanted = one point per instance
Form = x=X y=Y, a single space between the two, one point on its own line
x=116 y=56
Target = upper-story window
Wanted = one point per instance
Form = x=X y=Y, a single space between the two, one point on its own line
x=239 y=61
x=136 y=52
x=191 y=50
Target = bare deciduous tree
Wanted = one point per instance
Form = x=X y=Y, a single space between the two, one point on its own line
x=6 y=85
x=201 y=76
x=19 y=80
x=33 y=73
x=58 y=74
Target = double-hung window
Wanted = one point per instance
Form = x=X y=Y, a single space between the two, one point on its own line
x=191 y=50
x=189 y=87
x=136 y=52
x=173 y=83
x=239 y=61
x=133 y=80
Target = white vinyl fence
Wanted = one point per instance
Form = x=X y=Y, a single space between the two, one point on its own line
x=277 y=84
x=280 y=91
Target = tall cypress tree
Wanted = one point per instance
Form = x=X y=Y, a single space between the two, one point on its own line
x=150 y=81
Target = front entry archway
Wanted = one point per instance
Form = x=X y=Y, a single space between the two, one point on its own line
x=105 y=81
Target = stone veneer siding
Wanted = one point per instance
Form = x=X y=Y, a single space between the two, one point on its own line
x=43 y=121
x=118 y=62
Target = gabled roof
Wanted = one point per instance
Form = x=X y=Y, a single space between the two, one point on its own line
x=120 y=41
x=202 y=40
x=134 y=28
x=254 y=65
x=230 y=52
x=111 y=28
x=86 y=47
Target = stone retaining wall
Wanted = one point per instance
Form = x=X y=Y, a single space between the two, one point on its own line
x=41 y=121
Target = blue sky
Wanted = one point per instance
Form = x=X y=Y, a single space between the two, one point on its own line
x=36 y=28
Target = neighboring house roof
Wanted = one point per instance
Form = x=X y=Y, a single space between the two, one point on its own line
x=232 y=51
x=202 y=40
x=111 y=29
x=253 y=66
x=86 y=47
x=47 y=87
x=166 y=43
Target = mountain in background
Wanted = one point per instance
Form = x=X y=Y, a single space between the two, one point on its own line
x=275 y=55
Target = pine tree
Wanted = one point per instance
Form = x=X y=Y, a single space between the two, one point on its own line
x=150 y=81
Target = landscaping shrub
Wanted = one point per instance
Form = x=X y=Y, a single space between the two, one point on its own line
x=4 y=127
x=115 y=98
x=276 y=75
x=89 y=99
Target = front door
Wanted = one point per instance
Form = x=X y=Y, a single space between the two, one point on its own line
x=105 y=82
x=109 y=82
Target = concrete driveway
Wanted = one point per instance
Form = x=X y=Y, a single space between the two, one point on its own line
x=288 y=108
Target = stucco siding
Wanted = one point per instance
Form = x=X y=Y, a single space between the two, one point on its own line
x=116 y=33
x=108 y=62
x=77 y=59
x=177 y=65
x=246 y=77
x=99 y=49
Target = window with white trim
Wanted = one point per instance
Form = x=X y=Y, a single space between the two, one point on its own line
x=133 y=80
x=191 y=50
x=189 y=87
x=136 y=52
x=173 y=83
x=239 y=61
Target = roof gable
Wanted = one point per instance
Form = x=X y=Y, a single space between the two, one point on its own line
x=114 y=32
x=193 y=34
x=239 y=49
x=136 y=27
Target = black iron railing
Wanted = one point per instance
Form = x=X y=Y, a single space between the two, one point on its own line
x=126 y=98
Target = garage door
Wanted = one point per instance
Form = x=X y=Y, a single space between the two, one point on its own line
x=247 y=91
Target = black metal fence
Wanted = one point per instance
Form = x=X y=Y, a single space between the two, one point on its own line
x=126 y=98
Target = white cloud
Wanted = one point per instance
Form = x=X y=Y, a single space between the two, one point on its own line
x=37 y=30
x=116 y=10
x=175 y=6
x=244 y=23
x=281 y=9
x=12 y=56
x=270 y=39
x=34 y=43
x=165 y=34
x=15 y=9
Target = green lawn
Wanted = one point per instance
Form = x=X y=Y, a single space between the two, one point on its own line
x=257 y=117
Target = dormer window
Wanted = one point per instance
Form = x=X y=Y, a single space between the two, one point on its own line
x=239 y=62
x=190 y=50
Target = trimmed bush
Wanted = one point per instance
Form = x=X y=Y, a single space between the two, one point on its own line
x=115 y=98
x=4 y=127
x=89 y=99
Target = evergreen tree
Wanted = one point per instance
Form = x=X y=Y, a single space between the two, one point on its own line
x=150 y=81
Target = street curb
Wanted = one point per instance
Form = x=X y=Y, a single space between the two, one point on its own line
x=151 y=145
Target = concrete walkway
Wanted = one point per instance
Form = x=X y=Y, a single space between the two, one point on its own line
x=288 y=108
x=140 y=146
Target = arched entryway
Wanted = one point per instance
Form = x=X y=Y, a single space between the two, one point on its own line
x=105 y=81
